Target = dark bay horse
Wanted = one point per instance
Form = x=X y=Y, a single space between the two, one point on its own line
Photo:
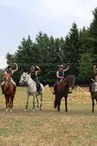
x=63 y=91
x=9 y=92
x=93 y=92
x=93 y=97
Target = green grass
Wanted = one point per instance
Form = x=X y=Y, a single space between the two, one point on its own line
x=78 y=127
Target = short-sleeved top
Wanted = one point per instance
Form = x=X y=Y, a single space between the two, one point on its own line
x=61 y=74
x=9 y=72
x=34 y=75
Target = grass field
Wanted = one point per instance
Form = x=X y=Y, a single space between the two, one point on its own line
x=78 y=127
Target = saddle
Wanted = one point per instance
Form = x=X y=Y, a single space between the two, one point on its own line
x=58 y=85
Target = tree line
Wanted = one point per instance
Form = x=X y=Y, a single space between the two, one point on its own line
x=78 y=47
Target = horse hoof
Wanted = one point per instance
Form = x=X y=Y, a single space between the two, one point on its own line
x=92 y=111
x=58 y=110
x=37 y=108
x=66 y=111
x=11 y=110
x=6 y=109
x=25 y=110
x=33 y=110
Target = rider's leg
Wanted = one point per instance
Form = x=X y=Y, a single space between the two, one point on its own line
x=38 y=86
x=2 y=87
x=55 y=87
x=90 y=88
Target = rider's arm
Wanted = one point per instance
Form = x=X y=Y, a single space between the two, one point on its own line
x=58 y=77
x=16 y=68
x=39 y=70
x=66 y=68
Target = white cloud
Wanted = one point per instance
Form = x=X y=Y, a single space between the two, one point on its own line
x=19 y=18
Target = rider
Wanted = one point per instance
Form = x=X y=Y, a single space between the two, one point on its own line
x=60 y=76
x=34 y=71
x=10 y=72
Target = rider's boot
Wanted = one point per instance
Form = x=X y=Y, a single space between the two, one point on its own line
x=55 y=89
x=2 y=89
x=15 y=89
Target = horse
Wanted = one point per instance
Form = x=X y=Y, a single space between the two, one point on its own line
x=9 y=92
x=93 y=92
x=32 y=90
x=63 y=90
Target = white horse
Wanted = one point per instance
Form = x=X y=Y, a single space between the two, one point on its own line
x=32 y=90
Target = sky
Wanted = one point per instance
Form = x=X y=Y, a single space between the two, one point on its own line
x=20 y=18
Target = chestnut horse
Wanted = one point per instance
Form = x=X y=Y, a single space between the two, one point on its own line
x=63 y=90
x=9 y=92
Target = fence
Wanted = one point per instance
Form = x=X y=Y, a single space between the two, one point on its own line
x=78 y=94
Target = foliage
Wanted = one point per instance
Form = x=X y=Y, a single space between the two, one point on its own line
x=79 y=47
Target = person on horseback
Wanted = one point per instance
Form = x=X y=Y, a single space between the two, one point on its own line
x=60 y=76
x=10 y=72
x=34 y=75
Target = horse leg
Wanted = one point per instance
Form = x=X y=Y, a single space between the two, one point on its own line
x=6 y=99
x=41 y=98
x=26 y=107
x=93 y=105
x=66 y=109
x=55 y=102
x=11 y=103
x=58 y=100
x=37 y=102
x=33 y=103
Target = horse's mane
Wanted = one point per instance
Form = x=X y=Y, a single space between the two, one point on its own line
x=66 y=81
x=69 y=77
x=6 y=75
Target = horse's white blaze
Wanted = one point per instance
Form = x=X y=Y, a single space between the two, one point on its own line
x=31 y=89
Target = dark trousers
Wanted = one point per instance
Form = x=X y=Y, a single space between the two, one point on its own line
x=38 y=85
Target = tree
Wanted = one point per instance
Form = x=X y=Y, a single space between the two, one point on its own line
x=85 y=68
x=72 y=47
x=93 y=33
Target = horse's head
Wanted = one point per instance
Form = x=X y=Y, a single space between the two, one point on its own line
x=24 y=78
x=71 y=81
x=7 y=78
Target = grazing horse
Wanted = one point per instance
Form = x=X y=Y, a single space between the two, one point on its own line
x=31 y=90
x=63 y=90
x=9 y=92
x=93 y=92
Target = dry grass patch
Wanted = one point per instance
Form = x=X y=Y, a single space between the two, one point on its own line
x=78 y=127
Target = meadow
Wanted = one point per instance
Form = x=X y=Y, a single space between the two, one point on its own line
x=48 y=127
